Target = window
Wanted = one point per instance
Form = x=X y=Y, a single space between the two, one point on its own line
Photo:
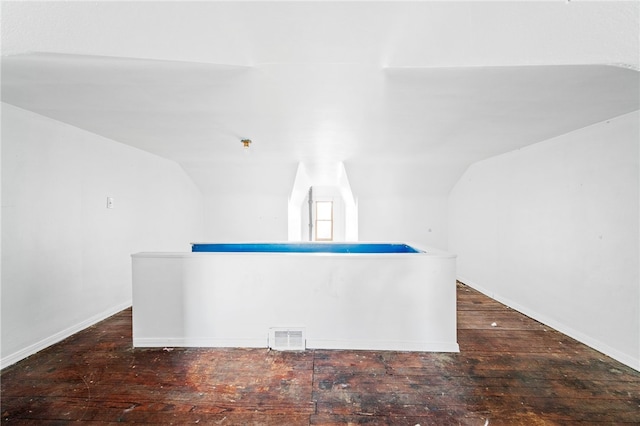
x=324 y=220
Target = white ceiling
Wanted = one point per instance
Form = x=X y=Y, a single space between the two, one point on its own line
x=407 y=95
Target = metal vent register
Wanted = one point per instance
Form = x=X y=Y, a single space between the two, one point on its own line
x=287 y=339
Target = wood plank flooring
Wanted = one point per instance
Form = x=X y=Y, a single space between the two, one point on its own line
x=518 y=372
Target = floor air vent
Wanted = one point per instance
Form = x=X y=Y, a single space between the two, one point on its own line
x=287 y=339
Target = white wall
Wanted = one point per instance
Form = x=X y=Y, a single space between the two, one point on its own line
x=246 y=198
x=298 y=224
x=420 y=219
x=246 y=217
x=403 y=201
x=552 y=230
x=65 y=256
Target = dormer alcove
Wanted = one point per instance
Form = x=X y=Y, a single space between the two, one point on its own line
x=322 y=183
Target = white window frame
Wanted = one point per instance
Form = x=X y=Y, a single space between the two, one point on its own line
x=331 y=220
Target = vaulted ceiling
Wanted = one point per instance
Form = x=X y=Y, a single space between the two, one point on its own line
x=407 y=95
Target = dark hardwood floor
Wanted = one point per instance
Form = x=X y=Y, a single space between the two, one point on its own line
x=518 y=372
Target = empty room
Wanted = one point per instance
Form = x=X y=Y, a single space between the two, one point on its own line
x=320 y=213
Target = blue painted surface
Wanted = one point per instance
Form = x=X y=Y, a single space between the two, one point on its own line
x=304 y=248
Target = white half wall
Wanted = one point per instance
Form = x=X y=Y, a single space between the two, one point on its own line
x=552 y=231
x=344 y=301
x=65 y=256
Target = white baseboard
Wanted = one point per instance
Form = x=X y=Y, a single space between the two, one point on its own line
x=375 y=345
x=61 y=335
x=168 y=342
x=197 y=342
x=563 y=328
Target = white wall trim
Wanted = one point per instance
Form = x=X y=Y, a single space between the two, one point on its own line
x=581 y=337
x=168 y=342
x=199 y=342
x=61 y=335
x=382 y=345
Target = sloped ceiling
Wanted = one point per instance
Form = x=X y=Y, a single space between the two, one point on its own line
x=407 y=95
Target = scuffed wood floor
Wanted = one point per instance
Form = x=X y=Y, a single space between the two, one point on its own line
x=518 y=372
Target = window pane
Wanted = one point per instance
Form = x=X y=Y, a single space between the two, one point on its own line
x=323 y=230
x=324 y=210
